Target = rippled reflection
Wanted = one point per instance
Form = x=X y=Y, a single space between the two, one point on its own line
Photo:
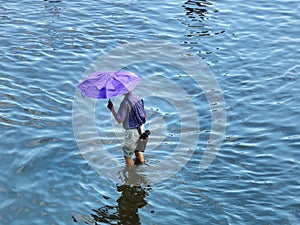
x=126 y=210
x=194 y=8
x=53 y=9
x=199 y=14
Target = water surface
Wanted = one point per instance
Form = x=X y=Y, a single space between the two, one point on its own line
x=251 y=48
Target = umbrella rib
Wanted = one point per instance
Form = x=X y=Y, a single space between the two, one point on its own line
x=127 y=86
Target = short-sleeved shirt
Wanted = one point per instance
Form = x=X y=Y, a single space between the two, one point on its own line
x=125 y=112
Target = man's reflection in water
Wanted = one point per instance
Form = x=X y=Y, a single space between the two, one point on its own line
x=131 y=200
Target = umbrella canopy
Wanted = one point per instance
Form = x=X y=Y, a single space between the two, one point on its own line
x=108 y=84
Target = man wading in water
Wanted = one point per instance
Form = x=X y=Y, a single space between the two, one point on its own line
x=132 y=115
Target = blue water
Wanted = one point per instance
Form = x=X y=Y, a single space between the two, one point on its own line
x=251 y=48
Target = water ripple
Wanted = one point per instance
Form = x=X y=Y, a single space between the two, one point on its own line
x=252 y=48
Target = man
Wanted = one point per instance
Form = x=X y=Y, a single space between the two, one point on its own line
x=132 y=115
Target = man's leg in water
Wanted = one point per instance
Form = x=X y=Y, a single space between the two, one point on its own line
x=129 y=161
x=139 y=157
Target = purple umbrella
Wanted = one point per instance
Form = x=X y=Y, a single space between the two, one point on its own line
x=108 y=84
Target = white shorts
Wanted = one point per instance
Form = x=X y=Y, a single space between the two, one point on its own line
x=131 y=137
